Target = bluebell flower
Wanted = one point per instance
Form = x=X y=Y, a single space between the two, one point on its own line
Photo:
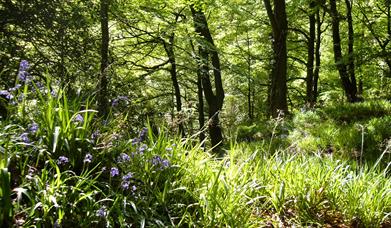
x=101 y=212
x=53 y=93
x=125 y=185
x=123 y=157
x=87 y=158
x=160 y=163
x=62 y=160
x=79 y=118
x=165 y=163
x=25 y=137
x=40 y=85
x=33 y=127
x=7 y=95
x=142 y=148
x=156 y=160
x=23 y=76
x=114 y=172
x=143 y=134
x=127 y=177
x=24 y=65
x=95 y=135
x=135 y=141
x=169 y=149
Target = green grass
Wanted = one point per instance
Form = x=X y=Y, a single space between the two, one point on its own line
x=173 y=182
x=249 y=188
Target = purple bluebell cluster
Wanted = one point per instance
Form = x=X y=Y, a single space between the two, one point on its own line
x=95 y=135
x=25 y=137
x=123 y=158
x=135 y=141
x=126 y=181
x=125 y=185
x=143 y=134
x=142 y=149
x=7 y=95
x=101 y=212
x=160 y=163
x=114 y=172
x=62 y=160
x=127 y=177
x=23 y=75
x=33 y=128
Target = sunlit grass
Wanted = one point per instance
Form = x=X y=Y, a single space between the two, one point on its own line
x=78 y=170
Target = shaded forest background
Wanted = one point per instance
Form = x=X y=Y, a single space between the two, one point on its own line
x=270 y=56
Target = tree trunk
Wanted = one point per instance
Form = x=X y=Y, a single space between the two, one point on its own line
x=310 y=80
x=278 y=89
x=317 y=56
x=169 y=48
x=201 y=116
x=102 y=95
x=348 y=84
x=208 y=55
x=249 y=82
x=351 y=66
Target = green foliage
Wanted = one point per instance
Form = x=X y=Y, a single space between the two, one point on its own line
x=172 y=182
x=358 y=111
x=348 y=130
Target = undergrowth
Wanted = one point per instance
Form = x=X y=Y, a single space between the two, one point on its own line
x=62 y=166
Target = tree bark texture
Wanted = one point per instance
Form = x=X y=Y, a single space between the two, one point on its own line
x=278 y=88
x=348 y=81
x=208 y=55
x=310 y=80
x=317 y=56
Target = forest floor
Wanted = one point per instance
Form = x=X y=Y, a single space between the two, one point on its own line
x=61 y=166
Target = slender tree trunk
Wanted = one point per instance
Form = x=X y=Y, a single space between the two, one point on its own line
x=351 y=65
x=249 y=82
x=317 y=56
x=102 y=95
x=278 y=89
x=200 y=106
x=201 y=116
x=169 y=48
x=348 y=84
x=310 y=56
x=208 y=54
